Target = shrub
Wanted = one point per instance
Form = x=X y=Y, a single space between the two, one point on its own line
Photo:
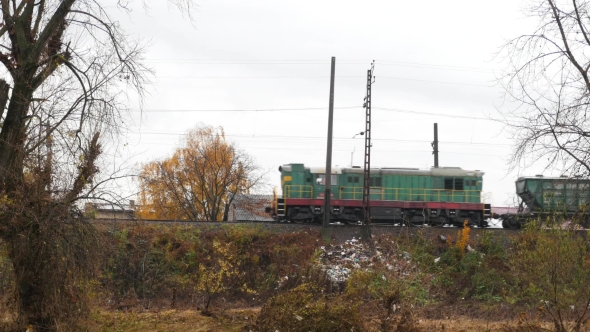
x=481 y=275
x=553 y=267
x=305 y=308
x=147 y=262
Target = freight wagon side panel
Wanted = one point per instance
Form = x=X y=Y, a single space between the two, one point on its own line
x=559 y=195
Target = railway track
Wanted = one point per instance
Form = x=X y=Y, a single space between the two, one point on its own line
x=339 y=232
x=494 y=225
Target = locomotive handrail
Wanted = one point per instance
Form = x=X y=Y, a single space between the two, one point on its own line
x=298 y=190
x=410 y=194
x=416 y=195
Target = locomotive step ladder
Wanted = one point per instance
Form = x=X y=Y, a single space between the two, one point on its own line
x=281 y=207
x=487 y=211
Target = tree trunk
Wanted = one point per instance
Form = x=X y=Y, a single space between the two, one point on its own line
x=12 y=137
x=226 y=212
x=21 y=235
x=227 y=206
x=208 y=302
x=28 y=274
x=4 y=89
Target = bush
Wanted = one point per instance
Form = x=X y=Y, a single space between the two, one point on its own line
x=185 y=264
x=553 y=267
x=305 y=308
x=480 y=275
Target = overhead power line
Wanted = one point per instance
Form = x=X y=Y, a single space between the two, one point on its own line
x=322 y=77
x=386 y=109
x=316 y=62
x=291 y=149
x=435 y=114
x=293 y=138
x=242 y=110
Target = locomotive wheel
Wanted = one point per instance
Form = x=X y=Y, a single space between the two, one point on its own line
x=512 y=223
x=417 y=220
x=405 y=221
x=438 y=221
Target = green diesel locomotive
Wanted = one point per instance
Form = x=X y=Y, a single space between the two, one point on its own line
x=438 y=196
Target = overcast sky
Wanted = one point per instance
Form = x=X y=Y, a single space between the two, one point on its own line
x=434 y=62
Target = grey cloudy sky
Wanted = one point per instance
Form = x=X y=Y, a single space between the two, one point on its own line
x=434 y=62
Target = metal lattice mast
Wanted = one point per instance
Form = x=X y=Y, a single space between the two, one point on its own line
x=367 y=171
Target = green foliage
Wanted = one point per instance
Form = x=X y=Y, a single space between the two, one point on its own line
x=135 y=265
x=553 y=267
x=481 y=275
x=491 y=245
x=181 y=263
x=422 y=249
x=488 y=285
x=546 y=268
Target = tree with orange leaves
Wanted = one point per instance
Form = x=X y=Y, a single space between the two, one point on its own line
x=199 y=181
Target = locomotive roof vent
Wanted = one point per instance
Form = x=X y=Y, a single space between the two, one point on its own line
x=539 y=175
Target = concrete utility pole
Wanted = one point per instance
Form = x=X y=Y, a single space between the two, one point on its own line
x=328 y=181
x=366 y=230
x=435 y=145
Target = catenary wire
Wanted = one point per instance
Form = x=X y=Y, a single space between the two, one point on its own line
x=316 y=62
x=275 y=137
x=310 y=109
x=323 y=77
x=342 y=150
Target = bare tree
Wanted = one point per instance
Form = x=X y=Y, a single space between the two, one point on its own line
x=64 y=65
x=548 y=82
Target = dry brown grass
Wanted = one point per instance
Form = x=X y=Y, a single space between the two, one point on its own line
x=237 y=320
x=170 y=320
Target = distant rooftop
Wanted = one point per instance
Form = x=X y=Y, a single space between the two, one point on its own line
x=250 y=208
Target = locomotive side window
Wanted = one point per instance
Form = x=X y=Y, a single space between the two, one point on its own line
x=375 y=182
x=449 y=183
x=321 y=180
x=353 y=179
x=455 y=183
